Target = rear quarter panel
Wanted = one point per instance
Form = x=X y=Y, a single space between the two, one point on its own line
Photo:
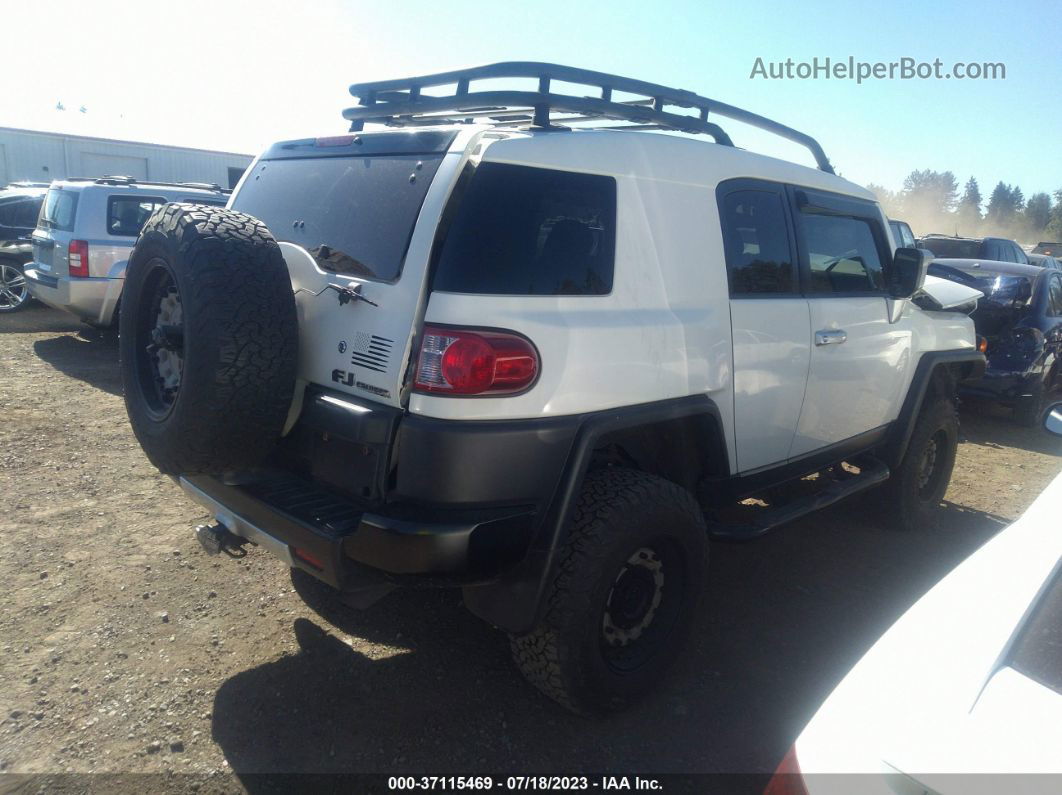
x=663 y=332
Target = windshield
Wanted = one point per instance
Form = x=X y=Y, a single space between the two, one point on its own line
x=354 y=215
x=955 y=249
x=58 y=210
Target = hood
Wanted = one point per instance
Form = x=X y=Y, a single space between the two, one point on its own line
x=945 y=295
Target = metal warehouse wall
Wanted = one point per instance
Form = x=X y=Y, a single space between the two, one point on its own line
x=44 y=156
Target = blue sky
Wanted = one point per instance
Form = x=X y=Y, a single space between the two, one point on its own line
x=238 y=75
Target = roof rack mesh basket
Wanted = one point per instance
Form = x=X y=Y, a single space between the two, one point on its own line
x=402 y=103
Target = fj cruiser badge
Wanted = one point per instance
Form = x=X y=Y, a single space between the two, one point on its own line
x=343 y=377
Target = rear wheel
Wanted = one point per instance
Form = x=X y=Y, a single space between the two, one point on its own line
x=208 y=340
x=623 y=599
x=916 y=487
x=13 y=291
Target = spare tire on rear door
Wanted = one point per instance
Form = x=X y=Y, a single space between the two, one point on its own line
x=208 y=340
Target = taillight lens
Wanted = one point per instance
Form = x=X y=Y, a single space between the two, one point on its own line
x=787 y=779
x=77 y=257
x=474 y=362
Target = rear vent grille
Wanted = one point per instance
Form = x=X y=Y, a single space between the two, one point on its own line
x=371 y=352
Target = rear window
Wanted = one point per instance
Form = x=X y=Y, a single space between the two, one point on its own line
x=58 y=210
x=127 y=214
x=354 y=215
x=531 y=231
x=953 y=249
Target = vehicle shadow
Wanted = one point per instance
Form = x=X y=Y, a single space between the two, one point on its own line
x=90 y=355
x=786 y=616
x=989 y=426
x=35 y=317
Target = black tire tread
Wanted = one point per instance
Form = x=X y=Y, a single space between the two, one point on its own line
x=899 y=494
x=241 y=333
x=542 y=655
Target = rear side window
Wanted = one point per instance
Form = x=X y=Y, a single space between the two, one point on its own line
x=354 y=215
x=60 y=207
x=758 y=255
x=842 y=254
x=127 y=214
x=531 y=231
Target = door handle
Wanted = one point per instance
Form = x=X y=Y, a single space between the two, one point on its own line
x=830 y=337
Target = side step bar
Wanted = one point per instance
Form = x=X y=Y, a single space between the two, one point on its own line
x=872 y=472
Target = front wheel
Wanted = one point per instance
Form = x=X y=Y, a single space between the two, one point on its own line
x=623 y=599
x=914 y=490
x=14 y=294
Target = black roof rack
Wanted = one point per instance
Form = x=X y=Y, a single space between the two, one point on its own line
x=118 y=179
x=400 y=103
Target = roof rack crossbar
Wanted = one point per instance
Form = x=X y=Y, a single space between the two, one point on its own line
x=402 y=102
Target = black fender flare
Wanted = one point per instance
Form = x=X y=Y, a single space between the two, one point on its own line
x=971 y=364
x=513 y=603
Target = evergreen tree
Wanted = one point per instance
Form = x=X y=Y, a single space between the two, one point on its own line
x=1053 y=232
x=969 y=210
x=1038 y=213
x=1000 y=204
x=1017 y=199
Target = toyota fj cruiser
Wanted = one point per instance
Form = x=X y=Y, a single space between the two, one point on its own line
x=491 y=350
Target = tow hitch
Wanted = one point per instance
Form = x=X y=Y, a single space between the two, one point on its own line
x=217 y=538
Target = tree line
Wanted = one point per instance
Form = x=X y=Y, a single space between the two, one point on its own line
x=930 y=202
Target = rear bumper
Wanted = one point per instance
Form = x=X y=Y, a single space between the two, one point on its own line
x=91 y=299
x=336 y=541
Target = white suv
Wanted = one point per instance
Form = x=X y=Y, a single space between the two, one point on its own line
x=538 y=363
x=85 y=233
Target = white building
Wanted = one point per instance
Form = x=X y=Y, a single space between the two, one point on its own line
x=43 y=156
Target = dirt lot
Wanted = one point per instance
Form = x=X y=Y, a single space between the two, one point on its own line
x=125 y=648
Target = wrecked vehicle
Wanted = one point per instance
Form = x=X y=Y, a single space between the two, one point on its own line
x=1020 y=320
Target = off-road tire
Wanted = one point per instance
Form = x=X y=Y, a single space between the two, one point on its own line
x=913 y=505
x=240 y=340
x=619 y=512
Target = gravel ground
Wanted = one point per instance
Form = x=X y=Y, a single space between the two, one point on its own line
x=126 y=649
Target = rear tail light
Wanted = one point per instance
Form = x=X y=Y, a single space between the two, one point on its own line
x=77 y=257
x=787 y=779
x=474 y=362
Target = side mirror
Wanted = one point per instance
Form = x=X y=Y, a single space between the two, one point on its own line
x=909 y=267
x=1053 y=420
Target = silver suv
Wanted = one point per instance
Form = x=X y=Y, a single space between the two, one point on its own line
x=85 y=233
